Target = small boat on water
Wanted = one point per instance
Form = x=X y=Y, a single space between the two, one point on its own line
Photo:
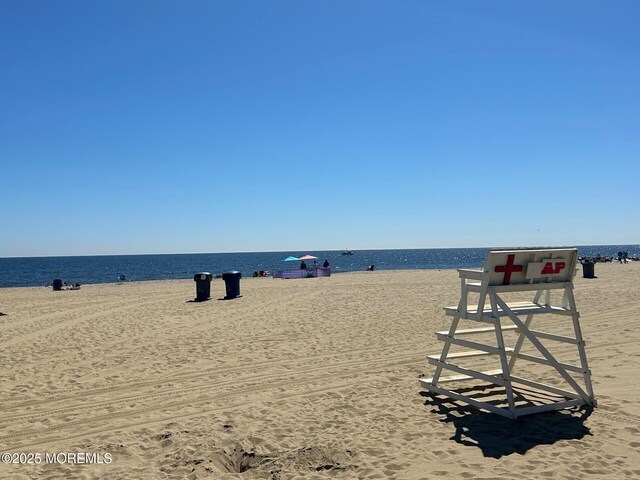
x=347 y=252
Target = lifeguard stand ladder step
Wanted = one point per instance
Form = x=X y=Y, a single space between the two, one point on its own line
x=541 y=273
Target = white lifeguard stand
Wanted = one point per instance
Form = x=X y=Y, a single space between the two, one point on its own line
x=508 y=273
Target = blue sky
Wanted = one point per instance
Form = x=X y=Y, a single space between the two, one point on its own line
x=221 y=126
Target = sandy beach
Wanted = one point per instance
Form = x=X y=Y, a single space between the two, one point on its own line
x=313 y=378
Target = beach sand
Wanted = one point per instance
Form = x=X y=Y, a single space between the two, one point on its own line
x=314 y=378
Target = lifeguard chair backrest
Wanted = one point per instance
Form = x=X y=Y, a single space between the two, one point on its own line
x=521 y=267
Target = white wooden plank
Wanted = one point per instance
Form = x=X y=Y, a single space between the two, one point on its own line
x=503 y=359
x=581 y=344
x=554 y=337
x=544 y=361
x=528 y=287
x=471 y=401
x=469 y=344
x=470 y=331
x=467 y=371
x=460 y=378
x=472 y=273
x=522 y=309
x=469 y=314
x=447 y=345
x=469 y=353
x=547 y=407
x=545 y=387
x=474 y=287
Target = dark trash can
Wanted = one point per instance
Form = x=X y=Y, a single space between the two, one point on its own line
x=57 y=284
x=232 y=283
x=203 y=286
x=588 y=270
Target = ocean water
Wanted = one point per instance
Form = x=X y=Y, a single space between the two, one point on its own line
x=37 y=271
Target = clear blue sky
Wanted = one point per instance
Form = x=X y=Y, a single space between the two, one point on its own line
x=209 y=126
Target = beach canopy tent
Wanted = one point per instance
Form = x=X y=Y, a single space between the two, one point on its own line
x=314 y=271
x=291 y=258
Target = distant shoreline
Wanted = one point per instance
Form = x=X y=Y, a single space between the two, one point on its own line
x=38 y=271
x=219 y=280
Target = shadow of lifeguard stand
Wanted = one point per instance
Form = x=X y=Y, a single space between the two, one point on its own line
x=545 y=277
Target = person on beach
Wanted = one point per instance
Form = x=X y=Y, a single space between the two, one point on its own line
x=303 y=266
x=326 y=263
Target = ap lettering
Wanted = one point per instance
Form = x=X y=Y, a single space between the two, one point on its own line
x=549 y=269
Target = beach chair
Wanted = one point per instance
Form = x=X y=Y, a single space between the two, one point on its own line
x=545 y=277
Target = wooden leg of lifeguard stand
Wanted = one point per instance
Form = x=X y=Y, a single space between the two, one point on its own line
x=445 y=348
x=575 y=317
x=506 y=376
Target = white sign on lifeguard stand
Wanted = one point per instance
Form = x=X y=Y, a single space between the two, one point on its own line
x=506 y=273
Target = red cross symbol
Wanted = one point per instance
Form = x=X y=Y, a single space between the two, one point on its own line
x=508 y=268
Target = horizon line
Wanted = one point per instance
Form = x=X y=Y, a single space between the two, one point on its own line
x=309 y=250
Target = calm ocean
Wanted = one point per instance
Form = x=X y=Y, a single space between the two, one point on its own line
x=35 y=271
